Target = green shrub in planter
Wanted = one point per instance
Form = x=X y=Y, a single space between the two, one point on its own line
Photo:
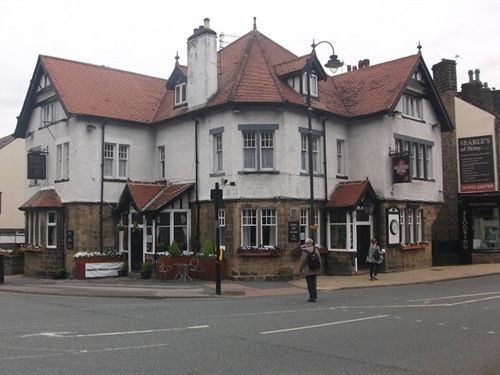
x=146 y=270
x=207 y=248
x=174 y=250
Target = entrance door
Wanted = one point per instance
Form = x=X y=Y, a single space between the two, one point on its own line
x=136 y=250
x=362 y=243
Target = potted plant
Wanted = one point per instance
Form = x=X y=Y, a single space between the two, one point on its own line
x=174 y=250
x=124 y=269
x=207 y=249
x=146 y=270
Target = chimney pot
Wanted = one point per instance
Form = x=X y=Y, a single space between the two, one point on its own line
x=477 y=74
x=206 y=23
x=485 y=85
x=348 y=68
x=360 y=64
x=366 y=63
x=470 y=72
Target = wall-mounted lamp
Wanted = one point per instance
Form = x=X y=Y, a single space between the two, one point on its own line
x=397 y=113
x=90 y=127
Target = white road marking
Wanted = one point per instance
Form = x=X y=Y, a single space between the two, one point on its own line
x=322 y=325
x=71 y=335
x=449 y=297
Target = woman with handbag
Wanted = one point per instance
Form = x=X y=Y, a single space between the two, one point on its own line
x=374 y=258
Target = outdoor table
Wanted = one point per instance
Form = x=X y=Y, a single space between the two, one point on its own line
x=182 y=271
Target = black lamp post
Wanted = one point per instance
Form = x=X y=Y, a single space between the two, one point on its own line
x=333 y=64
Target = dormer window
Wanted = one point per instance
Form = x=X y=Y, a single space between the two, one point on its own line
x=313 y=82
x=180 y=93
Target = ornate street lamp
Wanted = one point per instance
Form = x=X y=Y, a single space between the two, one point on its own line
x=333 y=64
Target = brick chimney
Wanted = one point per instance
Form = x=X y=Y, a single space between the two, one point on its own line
x=202 y=65
x=476 y=93
x=445 y=81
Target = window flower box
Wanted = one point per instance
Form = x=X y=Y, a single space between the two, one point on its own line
x=32 y=248
x=260 y=251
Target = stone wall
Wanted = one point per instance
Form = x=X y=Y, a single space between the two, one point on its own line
x=83 y=220
x=13 y=264
x=398 y=258
x=491 y=257
x=47 y=263
x=284 y=266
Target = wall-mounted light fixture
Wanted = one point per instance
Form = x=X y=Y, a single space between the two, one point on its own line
x=91 y=127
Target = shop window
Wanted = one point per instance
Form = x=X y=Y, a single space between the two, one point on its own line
x=486 y=228
x=338 y=230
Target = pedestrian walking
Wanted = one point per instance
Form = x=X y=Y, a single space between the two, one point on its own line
x=374 y=258
x=310 y=266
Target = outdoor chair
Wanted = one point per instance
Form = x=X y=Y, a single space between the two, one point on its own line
x=164 y=270
x=194 y=267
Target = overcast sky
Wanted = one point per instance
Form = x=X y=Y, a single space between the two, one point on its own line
x=143 y=36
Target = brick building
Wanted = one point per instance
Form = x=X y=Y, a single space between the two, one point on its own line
x=139 y=153
x=468 y=228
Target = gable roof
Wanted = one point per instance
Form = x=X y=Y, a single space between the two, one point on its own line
x=252 y=69
x=4 y=141
x=349 y=194
x=43 y=199
x=151 y=196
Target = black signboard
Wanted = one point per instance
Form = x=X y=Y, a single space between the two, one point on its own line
x=476 y=164
x=293 y=231
x=401 y=168
x=37 y=165
x=69 y=239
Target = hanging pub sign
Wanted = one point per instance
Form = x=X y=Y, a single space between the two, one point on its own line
x=37 y=165
x=475 y=156
x=401 y=168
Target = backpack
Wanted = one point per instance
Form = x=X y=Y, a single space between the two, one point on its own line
x=313 y=261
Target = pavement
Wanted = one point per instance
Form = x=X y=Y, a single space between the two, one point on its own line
x=134 y=287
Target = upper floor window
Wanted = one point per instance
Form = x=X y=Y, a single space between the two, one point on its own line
x=116 y=160
x=420 y=156
x=304 y=156
x=49 y=114
x=258 y=147
x=180 y=93
x=412 y=106
x=340 y=157
x=313 y=82
x=218 y=155
x=62 y=162
x=161 y=162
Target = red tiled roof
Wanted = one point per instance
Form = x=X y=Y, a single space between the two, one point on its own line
x=348 y=194
x=101 y=91
x=372 y=89
x=152 y=196
x=43 y=199
x=248 y=71
x=142 y=193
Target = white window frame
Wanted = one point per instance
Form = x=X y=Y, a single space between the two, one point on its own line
x=221 y=218
x=109 y=159
x=268 y=219
x=402 y=225
x=62 y=162
x=413 y=107
x=258 y=142
x=161 y=162
x=313 y=84
x=316 y=153
x=218 y=153
x=410 y=214
x=180 y=93
x=116 y=157
x=48 y=114
x=51 y=225
x=249 y=222
x=418 y=225
x=341 y=157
